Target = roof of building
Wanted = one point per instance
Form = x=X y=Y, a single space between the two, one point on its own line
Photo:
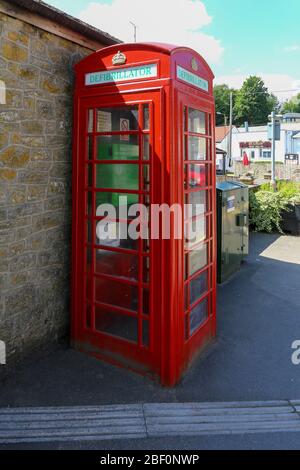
x=62 y=18
x=291 y=116
x=221 y=133
x=220 y=151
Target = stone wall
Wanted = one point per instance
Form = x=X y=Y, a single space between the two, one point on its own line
x=283 y=172
x=36 y=73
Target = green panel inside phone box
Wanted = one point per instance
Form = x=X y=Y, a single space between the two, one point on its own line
x=117 y=176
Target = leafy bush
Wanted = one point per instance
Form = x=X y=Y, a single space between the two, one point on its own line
x=289 y=190
x=265 y=210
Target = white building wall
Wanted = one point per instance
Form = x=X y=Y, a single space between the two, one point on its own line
x=260 y=134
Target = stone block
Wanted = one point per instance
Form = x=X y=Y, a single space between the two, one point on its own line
x=14 y=52
x=32 y=128
x=16 y=249
x=23 y=210
x=15 y=157
x=3 y=138
x=47 y=220
x=9 y=116
x=54 y=203
x=36 y=192
x=4 y=282
x=45 y=109
x=40 y=154
x=20 y=299
x=23 y=262
x=32 y=177
x=17 y=194
x=18 y=37
x=18 y=279
x=7 y=174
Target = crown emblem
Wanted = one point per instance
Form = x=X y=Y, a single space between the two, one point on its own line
x=194 y=64
x=119 y=59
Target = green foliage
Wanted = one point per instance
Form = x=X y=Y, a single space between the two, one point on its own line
x=254 y=103
x=265 y=210
x=292 y=105
x=222 y=100
x=289 y=190
x=266 y=205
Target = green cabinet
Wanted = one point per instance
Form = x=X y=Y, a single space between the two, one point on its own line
x=232 y=227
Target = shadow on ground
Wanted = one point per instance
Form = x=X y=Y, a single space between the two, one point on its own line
x=258 y=320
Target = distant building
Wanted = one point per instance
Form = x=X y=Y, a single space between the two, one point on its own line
x=291 y=117
x=255 y=143
x=222 y=142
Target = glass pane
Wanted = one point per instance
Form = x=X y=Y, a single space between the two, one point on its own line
x=90 y=120
x=114 y=147
x=146 y=181
x=198 y=316
x=117 y=119
x=116 y=324
x=198 y=259
x=198 y=287
x=185 y=119
x=198 y=176
x=117 y=264
x=117 y=176
x=146 y=333
x=89 y=175
x=146 y=302
x=88 y=259
x=88 y=316
x=90 y=155
x=146 y=269
x=195 y=232
x=197 y=148
x=117 y=294
x=146 y=120
x=146 y=147
x=197 y=122
x=186 y=327
x=120 y=201
x=88 y=284
x=197 y=204
x=186 y=297
x=89 y=231
x=89 y=204
x=115 y=235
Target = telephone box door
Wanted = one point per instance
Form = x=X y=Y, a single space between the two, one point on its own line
x=200 y=225
x=118 y=309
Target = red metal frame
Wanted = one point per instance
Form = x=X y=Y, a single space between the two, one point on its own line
x=171 y=348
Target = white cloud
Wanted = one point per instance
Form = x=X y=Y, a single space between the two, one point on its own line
x=283 y=86
x=178 y=22
x=293 y=48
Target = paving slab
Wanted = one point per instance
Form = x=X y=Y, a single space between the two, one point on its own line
x=67 y=424
x=258 y=320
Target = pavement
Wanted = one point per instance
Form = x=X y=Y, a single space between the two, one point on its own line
x=251 y=360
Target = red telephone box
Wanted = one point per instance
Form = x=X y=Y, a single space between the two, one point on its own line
x=144 y=129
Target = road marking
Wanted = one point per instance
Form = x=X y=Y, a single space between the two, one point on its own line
x=58 y=424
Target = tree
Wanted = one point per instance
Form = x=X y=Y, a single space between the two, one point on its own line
x=222 y=100
x=292 y=105
x=254 y=103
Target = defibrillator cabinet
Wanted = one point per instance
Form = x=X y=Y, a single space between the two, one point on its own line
x=144 y=134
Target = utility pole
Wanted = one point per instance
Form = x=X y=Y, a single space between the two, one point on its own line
x=273 y=153
x=230 y=130
x=274 y=134
x=134 y=29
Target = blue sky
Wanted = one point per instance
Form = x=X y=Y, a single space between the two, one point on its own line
x=237 y=37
